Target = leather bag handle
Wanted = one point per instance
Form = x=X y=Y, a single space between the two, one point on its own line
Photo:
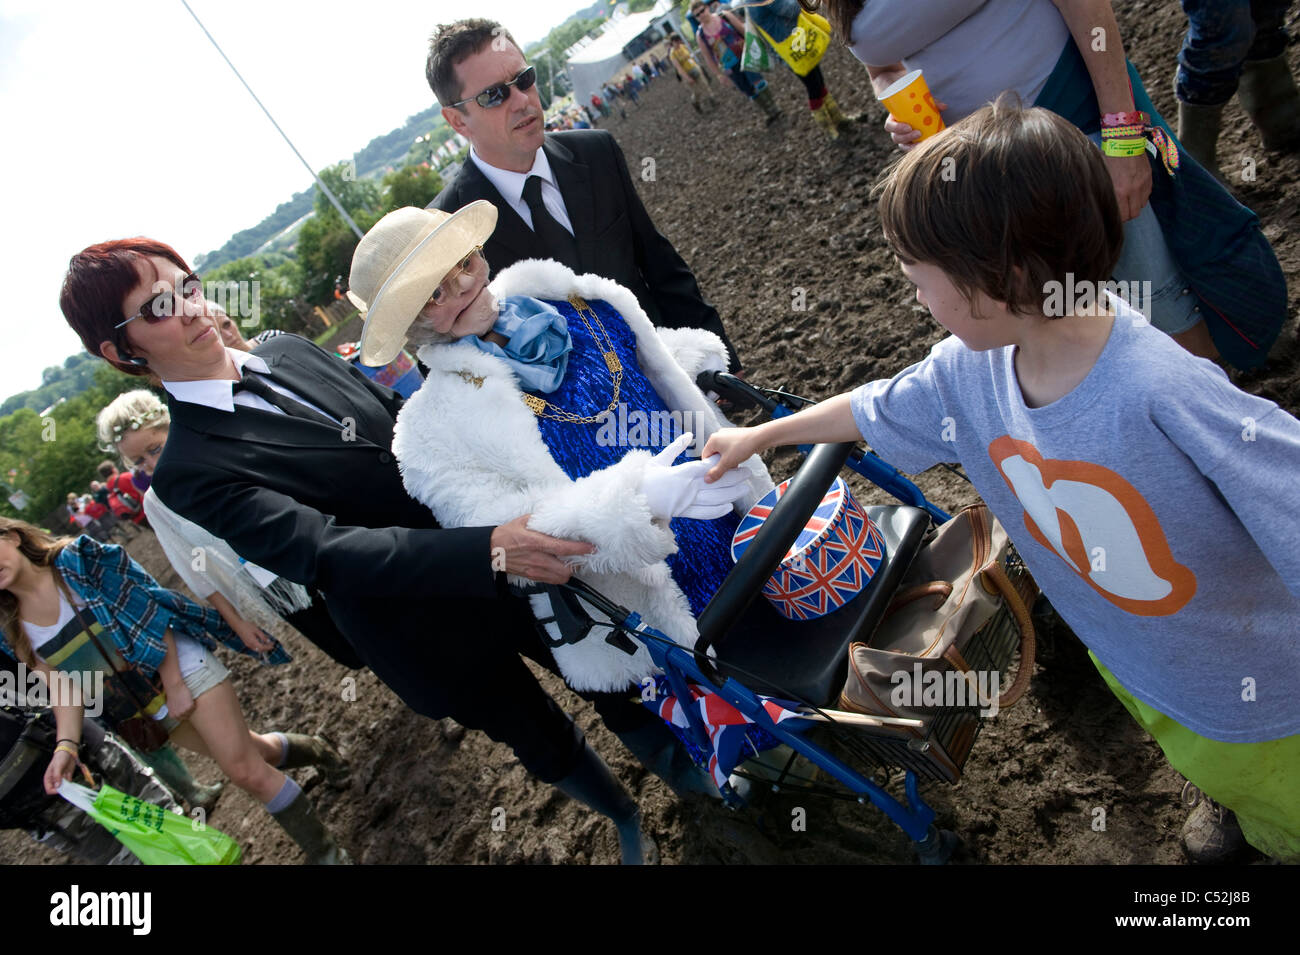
x=996 y=575
x=938 y=588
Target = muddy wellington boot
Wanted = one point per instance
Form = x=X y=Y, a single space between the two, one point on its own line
x=836 y=114
x=822 y=117
x=303 y=826
x=318 y=751
x=1198 y=131
x=171 y=769
x=1268 y=94
x=595 y=786
x=763 y=98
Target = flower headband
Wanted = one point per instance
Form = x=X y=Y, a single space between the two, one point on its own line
x=134 y=423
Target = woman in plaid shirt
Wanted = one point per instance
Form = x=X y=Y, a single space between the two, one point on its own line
x=56 y=594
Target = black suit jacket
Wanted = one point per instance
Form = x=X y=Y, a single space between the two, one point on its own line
x=324 y=506
x=615 y=235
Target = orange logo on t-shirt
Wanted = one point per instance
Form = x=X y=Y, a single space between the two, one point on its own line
x=1100 y=525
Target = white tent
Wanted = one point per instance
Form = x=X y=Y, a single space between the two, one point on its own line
x=603 y=57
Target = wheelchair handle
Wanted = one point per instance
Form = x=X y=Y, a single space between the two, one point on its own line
x=741 y=393
x=761 y=559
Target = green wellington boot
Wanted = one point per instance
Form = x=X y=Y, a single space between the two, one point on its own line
x=1198 y=131
x=771 y=112
x=1268 y=94
x=304 y=827
x=318 y=751
x=171 y=769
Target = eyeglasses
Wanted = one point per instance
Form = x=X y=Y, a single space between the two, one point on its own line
x=464 y=265
x=498 y=94
x=163 y=305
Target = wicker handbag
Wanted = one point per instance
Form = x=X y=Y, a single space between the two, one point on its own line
x=939 y=653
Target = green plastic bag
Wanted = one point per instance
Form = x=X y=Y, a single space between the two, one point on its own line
x=154 y=835
x=755 y=58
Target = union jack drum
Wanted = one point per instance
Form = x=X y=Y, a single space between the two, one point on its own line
x=831 y=561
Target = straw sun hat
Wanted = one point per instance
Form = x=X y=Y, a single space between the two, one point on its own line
x=399 y=264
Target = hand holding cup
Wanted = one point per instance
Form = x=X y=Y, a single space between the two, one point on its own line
x=913 y=110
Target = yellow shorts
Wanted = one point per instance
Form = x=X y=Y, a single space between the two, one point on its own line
x=1260 y=782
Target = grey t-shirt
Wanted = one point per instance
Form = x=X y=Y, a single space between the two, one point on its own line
x=969 y=50
x=1157 y=506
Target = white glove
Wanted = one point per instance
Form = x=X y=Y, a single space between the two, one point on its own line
x=679 y=491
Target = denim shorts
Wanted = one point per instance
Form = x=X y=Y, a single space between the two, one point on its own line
x=1145 y=263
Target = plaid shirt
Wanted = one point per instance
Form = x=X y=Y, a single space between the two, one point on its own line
x=136 y=612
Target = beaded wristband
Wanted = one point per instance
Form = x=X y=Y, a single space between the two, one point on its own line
x=1165 y=149
x=1123 y=132
x=1133 y=118
x=1124 y=147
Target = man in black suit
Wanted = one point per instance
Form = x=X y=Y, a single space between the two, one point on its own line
x=565 y=196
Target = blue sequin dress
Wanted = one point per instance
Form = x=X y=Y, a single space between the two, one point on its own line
x=704 y=547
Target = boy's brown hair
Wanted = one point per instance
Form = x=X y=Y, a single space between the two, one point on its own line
x=1004 y=202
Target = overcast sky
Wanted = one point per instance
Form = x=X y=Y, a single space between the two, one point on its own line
x=120 y=119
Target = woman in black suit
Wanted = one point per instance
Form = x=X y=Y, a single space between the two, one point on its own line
x=267 y=451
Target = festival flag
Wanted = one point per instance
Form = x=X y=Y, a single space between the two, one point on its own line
x=732 y=735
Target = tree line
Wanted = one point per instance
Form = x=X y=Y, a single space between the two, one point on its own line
x=48 y=444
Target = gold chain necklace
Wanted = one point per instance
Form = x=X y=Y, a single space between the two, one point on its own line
x=538 y=405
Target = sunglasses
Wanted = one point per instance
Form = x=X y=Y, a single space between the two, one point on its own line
x=464 y=265
x=162 y=306
x=498 y=94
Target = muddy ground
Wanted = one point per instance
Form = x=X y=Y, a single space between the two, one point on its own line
x=759 y=212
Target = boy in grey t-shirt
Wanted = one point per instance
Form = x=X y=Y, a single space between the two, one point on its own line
x=1156 y=504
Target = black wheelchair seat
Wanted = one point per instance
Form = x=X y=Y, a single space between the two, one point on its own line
x=808 y=658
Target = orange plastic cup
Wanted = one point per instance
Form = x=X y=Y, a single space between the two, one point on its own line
x=910 y=101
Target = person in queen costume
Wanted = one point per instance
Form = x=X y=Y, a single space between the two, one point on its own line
x=551 y=393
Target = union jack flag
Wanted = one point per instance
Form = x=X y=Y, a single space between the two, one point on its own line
x=733 y=737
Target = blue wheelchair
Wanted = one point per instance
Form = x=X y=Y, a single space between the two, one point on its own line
x=758 y=655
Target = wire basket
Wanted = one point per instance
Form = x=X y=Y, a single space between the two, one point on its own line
x=939 y=750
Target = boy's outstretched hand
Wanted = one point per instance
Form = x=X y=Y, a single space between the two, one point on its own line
x=830 y=421
x=735 y=445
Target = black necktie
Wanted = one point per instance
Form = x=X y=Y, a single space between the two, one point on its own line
x=295 y=409
x=559 y=243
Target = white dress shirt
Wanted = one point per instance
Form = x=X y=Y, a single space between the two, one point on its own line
x=219 y=393
x=511 y=186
